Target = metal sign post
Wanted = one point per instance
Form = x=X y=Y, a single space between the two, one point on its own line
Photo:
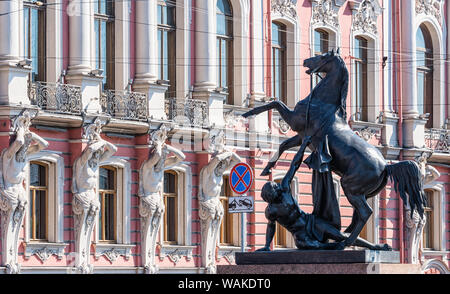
x=241 y=179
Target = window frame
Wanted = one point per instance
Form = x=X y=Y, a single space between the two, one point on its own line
x=109 y=21
x=324 y=45
x=32 y=195
x=41 y=38
x=165 y=222
x=169 y=30
x=227 y=40
x=101 y=194
x=361 y=103
x=282 y=50
x=428 y=74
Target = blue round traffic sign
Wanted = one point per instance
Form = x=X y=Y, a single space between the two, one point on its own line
x=241 y=178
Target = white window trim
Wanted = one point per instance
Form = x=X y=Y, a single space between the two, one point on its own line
x=55 y=226
x=439 y=241
x=292 y=57
x=122 y=247
x=439 y=83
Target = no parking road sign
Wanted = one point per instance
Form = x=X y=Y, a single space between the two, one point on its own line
x=241 y=178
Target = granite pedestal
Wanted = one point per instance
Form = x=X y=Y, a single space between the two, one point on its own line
x=319 y=262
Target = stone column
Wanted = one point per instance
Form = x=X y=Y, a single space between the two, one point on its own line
x=13 y=77
x=259 y=123
x=413 y=126
x=79 y=73
x=147 y=58
x=206 y=61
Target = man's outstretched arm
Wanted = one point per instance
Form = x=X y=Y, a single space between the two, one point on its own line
x=295 y=165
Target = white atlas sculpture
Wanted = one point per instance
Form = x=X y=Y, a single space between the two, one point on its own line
x=151 y=206
x=13 y=187
x=211 y=209
x=85 y=202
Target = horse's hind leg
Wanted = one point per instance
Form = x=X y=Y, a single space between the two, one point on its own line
x=363 y=212
x=286 y=145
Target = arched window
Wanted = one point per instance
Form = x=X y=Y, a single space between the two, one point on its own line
x=279 y=74
x=38 y=201
x=424 y=59
x=171 y=207
x=35 y=38
x=321 y=46
x=104 y=40
x=226 y=229
x=224 y=16
x=167 y=44
x=361 y=99
x=108 y=201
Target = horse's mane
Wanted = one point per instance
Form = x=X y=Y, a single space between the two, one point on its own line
x=344 y=89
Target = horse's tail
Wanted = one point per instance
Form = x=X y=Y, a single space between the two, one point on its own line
x=407 y=180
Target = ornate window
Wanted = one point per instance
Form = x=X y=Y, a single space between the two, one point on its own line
x=424 y=57
x=279 y=74
x=35 y=38
x=108 y=200
x=171 y=207
x=361 y=75
x=226 y=229
x=224 y=16
x=104 y=40
x=38 y=201
x=167 y=44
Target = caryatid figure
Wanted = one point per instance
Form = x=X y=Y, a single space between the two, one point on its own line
x=13 y=187
x=211 y=209
x=85 y=203
x=151 y=181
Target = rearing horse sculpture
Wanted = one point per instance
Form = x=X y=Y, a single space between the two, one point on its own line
x=320 y=119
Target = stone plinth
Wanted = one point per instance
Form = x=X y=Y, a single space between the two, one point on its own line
x=319 y=262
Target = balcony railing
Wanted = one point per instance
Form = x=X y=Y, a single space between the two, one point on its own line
x=125 y=105
x=56 y=97
x=187 y=112
x=438 y=140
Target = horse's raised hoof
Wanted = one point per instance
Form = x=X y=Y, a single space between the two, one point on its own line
x=266 y=172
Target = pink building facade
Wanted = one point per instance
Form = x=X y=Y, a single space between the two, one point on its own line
x=196 y=65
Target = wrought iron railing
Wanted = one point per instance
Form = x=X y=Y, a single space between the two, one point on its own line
x=187 y=112
x=125 y=104
x=56 y=97
x=438 y=140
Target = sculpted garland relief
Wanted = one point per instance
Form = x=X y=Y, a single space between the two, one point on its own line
x=325 y=12
x=151 y=206
x=13 y=187
x=365 y=19
x=85 y=203
x=429 y=7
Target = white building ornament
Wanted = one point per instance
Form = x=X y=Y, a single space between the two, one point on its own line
x=429 y=7
x=286 y=8
x=151 y=205
x=85 y=203
x=365 y=18
x=325 y=13
x=13 y=192
x=211 y=209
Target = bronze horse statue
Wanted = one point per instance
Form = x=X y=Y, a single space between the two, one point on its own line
x=320 y=122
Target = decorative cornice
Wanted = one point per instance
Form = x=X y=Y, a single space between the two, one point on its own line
x=430 y=7
x=113 y=251
x=286 y=8
x=175 y=252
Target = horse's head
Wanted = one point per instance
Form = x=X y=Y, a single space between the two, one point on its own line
x=324 y=63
